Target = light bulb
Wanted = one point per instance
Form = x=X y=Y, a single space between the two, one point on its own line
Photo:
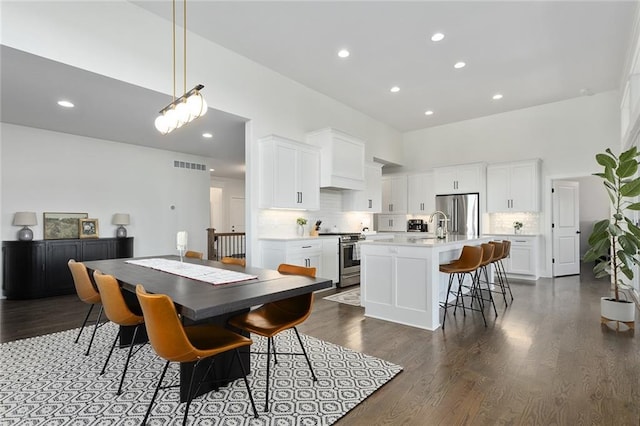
x=162 y=125
x=183 y=113
x=172 y=118
x=197 y=105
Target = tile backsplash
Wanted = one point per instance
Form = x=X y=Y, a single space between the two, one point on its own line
x=502 y=223
x=282 y=223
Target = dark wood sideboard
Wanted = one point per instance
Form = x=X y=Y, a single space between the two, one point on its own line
x=33 y=269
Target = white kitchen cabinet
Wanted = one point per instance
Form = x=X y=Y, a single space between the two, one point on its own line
x=290 y=174
x=391 y=222
x=304 y=252
x=513 y=187
x=420 y=194
x=459 y=179
x=330 y=259
x=370 y=199
x=394 y=194
x=342 y=162
x=523 y=257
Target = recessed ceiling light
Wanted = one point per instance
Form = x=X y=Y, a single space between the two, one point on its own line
x=207 y=135
x=459 y=65
x=212 y=170
x=395 y=89
x=66 y=104
x=437 y=37
x=344 y=53
x=429 y=112
x=497 y=96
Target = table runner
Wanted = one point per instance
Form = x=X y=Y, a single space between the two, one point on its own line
x=194 y=271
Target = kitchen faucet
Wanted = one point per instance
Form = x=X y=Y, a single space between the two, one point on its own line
x=440 y=232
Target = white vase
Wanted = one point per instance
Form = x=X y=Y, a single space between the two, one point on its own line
x=623 y=310
x=300 y=230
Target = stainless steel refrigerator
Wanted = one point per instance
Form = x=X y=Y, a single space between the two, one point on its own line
x=463 y=212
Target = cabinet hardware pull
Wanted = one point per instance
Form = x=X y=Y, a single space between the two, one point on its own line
x=306 y=246
x=370 y=204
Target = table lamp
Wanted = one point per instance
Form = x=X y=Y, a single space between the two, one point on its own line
x=121 y=219
x=25 y=219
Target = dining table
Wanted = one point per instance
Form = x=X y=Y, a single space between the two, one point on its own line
x=199 y=301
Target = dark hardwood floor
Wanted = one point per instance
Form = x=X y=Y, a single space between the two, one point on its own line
x=544 y=361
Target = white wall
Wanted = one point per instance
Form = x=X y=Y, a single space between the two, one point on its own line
x=120 y=40
x=565 y=135
x=46 y=171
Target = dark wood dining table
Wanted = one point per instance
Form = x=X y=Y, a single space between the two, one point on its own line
x=198 y=301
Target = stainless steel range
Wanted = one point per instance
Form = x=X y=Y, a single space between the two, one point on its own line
x=349 y=258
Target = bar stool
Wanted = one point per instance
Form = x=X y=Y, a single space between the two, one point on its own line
x=507 y=252
x=468 y=263
x=487 y=258
x=498 y=255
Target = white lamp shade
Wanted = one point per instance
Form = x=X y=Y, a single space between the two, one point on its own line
x=25 y=219
x=120 y=219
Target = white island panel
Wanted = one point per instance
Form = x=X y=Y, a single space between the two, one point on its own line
x=400 y=280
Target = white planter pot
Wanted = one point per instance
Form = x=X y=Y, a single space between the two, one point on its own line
x=622 y=311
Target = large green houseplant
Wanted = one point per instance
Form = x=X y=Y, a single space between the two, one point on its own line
x=615 y=241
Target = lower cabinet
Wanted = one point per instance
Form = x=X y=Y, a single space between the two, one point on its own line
x=524 y=256
x=321 y=253
x=33 y=269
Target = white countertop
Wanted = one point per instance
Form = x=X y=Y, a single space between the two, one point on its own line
x=296 y=238
x=425 y=240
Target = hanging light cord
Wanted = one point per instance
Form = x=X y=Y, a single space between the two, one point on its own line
x=174 y=50
x=184 y=49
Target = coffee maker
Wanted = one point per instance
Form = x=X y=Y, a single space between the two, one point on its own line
x=416 y=225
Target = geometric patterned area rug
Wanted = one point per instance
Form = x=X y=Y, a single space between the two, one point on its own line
x=350 y=297
x=47 y=380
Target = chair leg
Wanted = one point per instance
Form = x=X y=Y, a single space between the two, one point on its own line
x=126 y=363
x=476 y=284
x=498 y=273
x=446 y=301
x=104 y=368
x=486 y=277
x=84 y=323
x=266 y=398
x=246 y=383
x=506 y=280
x=273 y=346
x=155 y=393
x=305 y=355
x=191 y=392
x=95 y=328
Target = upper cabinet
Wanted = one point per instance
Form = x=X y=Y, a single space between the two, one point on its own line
x=421 y=196
x=459 y=179
x=341 y=159
x=370 y=199
x=394 y=194
x=513 y=187
x=290 y=174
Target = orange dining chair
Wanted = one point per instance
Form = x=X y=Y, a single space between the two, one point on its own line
x=193 y=254
x=273 y=318
x=195 y=343
x=87 y=293
x=234 y=261
x=118 y=312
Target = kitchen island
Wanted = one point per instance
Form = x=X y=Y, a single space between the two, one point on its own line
x=400 y=280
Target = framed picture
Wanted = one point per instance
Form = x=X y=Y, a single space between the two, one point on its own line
x=59 y=226
x=88 y=228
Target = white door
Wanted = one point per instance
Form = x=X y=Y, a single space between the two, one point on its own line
x=236 y=214
x=566 y=228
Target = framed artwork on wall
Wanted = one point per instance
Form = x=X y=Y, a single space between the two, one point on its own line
x=88 y=228
x=59 y=226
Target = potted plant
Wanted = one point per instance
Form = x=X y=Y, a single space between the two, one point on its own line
x=615 y=241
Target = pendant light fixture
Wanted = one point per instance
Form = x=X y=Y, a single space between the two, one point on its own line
x=191 y=104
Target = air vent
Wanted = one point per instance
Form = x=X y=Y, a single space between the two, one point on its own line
x=191 y=166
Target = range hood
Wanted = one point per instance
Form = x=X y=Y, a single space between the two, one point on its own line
x=341 y=159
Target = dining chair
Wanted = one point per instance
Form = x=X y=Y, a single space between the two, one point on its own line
x=88 y=294
x=234 y=261
x=117 y=311
x=193 y=254
x=466 y=265
x=273 y=318
x=186 y=344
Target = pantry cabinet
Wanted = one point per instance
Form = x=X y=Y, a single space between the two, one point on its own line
x=370 y=199
x=290 y=174
x=460 y=179
x=421 y=196
x=513 y=187
x=394 y=194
